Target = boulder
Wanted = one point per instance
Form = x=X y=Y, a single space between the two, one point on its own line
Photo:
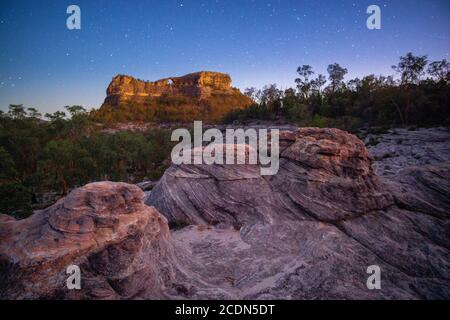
x=121 y=245
x=324 y=174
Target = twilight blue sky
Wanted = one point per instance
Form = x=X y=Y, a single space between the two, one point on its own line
x=45 y=65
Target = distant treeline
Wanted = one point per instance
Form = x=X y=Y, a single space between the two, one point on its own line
x=420 y=96
x=37 y=157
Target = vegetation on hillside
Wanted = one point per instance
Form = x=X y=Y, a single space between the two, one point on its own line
x=171 y=108
x=420 y=96
x=39 y=156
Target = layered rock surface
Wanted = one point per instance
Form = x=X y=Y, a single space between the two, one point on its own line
x=312 y=230
x=309 y=232
x=121 y=246
x=196 y=85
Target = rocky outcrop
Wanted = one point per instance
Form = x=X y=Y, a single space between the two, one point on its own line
x=399 y=149
x=195 y=85
x=309 y=232
x=210 y=91
x=122 y=247
x=415 y=166
x=312 y=230
x=324 y=174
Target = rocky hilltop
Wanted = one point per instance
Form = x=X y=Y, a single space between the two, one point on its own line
x=309 y=232
x=209 y=92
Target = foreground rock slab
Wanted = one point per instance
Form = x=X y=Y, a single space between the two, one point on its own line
x=121 y=246
x=309 y=232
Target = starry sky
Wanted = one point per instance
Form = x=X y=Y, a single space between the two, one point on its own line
x=45 y=65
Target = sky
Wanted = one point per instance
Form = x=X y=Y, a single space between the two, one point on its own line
x=43 y=64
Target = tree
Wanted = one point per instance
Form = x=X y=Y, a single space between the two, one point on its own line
x=80 y=121
x=354 y=84
x=65 y=164
x=251 y=93
x=270 y=94
x=440 y=70
x=17 y=111
x=56 y=116
x=8 y=170
x=75 y=110
x=318 y=83
x=15 y=200
x=303 y=83
x=411 y=68
x=271 y=97
x=34 y=113
x=336 y=76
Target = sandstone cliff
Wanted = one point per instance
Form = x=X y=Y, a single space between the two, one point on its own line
x=206 y=95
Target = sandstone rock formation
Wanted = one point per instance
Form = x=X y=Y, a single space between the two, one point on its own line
x=324 y=174
x=198 y=85
x=309 y=232
x=312 y=230
x=121 y=246
x=415 y=166
x=210 y=92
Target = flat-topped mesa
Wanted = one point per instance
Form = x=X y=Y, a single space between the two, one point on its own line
x=198 y=85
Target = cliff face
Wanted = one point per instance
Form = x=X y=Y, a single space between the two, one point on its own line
x=211 y=91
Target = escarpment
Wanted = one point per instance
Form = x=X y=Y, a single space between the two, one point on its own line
x=207 y=95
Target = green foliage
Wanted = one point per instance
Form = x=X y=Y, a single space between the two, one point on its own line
x=15 y=199
x=370 y=101
x=411 y=68
x=37 y=157
x=7 y=166
x=318 y=121
x=172 y=108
